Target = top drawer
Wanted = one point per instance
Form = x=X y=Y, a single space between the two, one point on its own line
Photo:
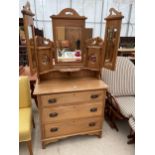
x=66 y=98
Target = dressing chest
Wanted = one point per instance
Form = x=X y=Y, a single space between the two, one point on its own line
x=69 y=89
x=71 y=106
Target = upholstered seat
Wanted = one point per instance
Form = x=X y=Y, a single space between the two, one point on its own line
x=25 y=123
x=126 y=105
x=25 y=112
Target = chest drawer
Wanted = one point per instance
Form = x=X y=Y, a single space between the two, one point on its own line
x=72 y=127
x=77 y=97
x=61 y=113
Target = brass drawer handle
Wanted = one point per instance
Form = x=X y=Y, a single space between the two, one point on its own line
x=51 y=101
x=54 y=129
x=94 y=96
x=92 y=124
x=93 y=109
x=53 y=114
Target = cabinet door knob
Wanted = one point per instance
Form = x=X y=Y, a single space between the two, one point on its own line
x=54 y=129
x=94 y=96
x=93 y=109
x=53 y=114
x=92 y=124
x=51 y=101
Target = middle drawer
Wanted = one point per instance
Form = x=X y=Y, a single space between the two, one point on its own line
x=72 y=111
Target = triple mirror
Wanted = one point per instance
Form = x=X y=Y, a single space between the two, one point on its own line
x=70 y=47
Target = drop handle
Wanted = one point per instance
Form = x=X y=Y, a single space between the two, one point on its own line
x=92 y=124
x=94 y=96
x=54 y=129
x=53 y=114
x=51 y=101
x=93 y=109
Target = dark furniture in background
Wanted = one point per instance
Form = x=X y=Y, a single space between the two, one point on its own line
x=127 y=48
x=127 y=42
x=39 y=32
x=23 y=56
x=23 y=59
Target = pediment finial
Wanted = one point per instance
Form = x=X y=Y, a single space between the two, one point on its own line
x=27 y=6
x=27 y=9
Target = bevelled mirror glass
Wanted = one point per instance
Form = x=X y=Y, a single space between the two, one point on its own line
x=31 y=44
x=68 y=44
x=111 y=37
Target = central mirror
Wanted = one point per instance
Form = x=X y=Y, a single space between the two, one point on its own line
x=68 y=44
x=68 y=34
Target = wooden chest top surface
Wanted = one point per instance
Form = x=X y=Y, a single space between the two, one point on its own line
x=68 y=85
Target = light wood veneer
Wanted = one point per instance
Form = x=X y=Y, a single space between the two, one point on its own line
x=69 y=107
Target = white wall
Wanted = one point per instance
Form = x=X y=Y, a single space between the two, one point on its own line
x=94 y=10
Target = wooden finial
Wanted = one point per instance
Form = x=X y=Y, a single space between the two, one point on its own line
x=27 y=9
x=112 y=10
x=114 y=14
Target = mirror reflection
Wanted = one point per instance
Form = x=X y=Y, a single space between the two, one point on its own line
x=111 y=37
x=31 y=45
x=30 y=31
x=68 y=43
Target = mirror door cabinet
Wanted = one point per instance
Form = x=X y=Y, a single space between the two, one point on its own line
x=30 y=36
x=112 y=38
x=103 y=53
x=94 y=53
x=44 y=53
x=68 y=34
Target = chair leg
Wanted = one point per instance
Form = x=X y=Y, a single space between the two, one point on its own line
x=33 y=122
x=131 y=141
x=29 y=144
x=131 y=136
x=112 y=121
x=110 y=117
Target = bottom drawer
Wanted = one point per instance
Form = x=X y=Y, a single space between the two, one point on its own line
x=72 y=127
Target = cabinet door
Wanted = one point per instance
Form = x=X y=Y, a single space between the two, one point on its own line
x=30 y=36
x=111 y=39
x=45 y=50
x=93 y=58
x=94 y=53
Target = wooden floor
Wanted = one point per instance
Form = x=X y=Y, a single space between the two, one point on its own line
x=111 y=143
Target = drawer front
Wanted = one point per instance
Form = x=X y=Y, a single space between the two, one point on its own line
x=77 y=97
x=72 y=127
x=60 y=113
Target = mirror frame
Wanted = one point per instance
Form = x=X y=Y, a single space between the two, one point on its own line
x=31 y=49
x=113 y=22
x=69 y=18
